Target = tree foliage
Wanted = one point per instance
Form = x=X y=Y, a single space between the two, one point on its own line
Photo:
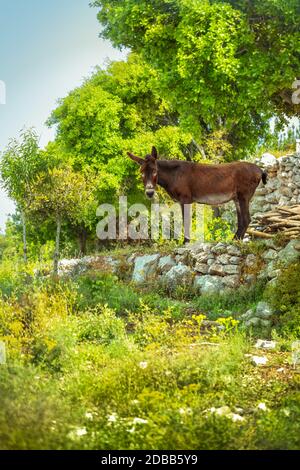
x=115 y=110
x=226 y=66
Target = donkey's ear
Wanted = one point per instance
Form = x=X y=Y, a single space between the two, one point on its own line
x=136 y=159
x=154 y=153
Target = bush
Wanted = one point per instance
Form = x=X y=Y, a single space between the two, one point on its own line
x=284 y=297
x=226 y=304
x=101 y=326
x=99 y=288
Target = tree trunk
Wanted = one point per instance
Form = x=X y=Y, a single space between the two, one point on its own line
x=24 y=236
x=57 y=242
x=82 y=239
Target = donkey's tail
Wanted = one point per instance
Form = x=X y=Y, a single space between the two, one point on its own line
x=264 y=177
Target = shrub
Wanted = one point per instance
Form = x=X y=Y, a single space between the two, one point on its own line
x=100 y=325
x=284 y=297
x=99 y=289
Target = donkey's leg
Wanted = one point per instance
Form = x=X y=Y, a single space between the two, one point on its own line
x=238 y=233
x=245 y=215
x=186 y=218
x=244 y=203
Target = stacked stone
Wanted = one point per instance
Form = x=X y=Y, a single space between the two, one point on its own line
x=259 y=316
x=289 y=180
x=282 y=188
x=267 y=196
x=216 y=266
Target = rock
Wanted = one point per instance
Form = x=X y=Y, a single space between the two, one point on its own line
x=180 y=259
x=203 y=257
x=113 y=263
x=223 y=259
x=233 y=250
x=232 y=269
x=198 y=247
x=270 y=255
x=223 y=269
x=201 y=268
x=259 y=360
x=219 y=248
x=208 y=284
x=180 y=251
x=271 y=244
x=77 y=265
x=130 y=258
x=290 y=253
x=249 y=278
x=144 y=266
x=217 y=269
x=250 y=260
x=270 y=270
x=268 y=160
x=254 y=321
x=263 y=310
x=265 y=323
x=234 y=260
x=247 y=315
x=66 y=266
x=264 y=344
x=166 y=263
x=178 y=274
x=231 y=281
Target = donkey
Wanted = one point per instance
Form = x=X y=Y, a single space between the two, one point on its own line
x=188 y=182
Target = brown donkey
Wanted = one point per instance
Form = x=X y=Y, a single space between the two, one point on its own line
x=188 y=182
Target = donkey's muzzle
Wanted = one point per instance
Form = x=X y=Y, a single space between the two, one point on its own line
x=150 y=193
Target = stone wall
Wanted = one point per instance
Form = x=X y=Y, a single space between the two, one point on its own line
x=207 y=267
x=214 y=267
x=283 y=185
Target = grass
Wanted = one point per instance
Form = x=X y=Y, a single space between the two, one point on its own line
x=96 y=363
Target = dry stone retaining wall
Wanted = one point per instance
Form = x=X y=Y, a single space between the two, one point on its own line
x=208 y=267
x=283 y=185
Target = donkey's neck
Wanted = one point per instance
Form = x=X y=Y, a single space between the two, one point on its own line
x=166 y=173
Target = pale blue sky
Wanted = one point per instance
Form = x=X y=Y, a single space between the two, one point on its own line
x=46 y=48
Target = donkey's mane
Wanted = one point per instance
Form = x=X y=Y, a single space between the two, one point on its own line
x=172 y=164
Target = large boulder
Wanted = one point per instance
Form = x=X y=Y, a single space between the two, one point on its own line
x=208 y=284
x=144 y=267
x=290 y=253
x=263 y=310
x=166 y=263
x=179 y=274
x=259 y=316
x=268 y=160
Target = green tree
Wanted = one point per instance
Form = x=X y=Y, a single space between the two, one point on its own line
x=118 y=109
x=226 y=66
x=20 y=164
x=64 y=196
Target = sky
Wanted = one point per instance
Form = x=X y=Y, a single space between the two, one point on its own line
x=47 y=47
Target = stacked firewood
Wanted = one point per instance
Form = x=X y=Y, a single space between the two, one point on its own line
x=284 y=219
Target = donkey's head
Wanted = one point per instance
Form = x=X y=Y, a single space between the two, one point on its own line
x=149 y=171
